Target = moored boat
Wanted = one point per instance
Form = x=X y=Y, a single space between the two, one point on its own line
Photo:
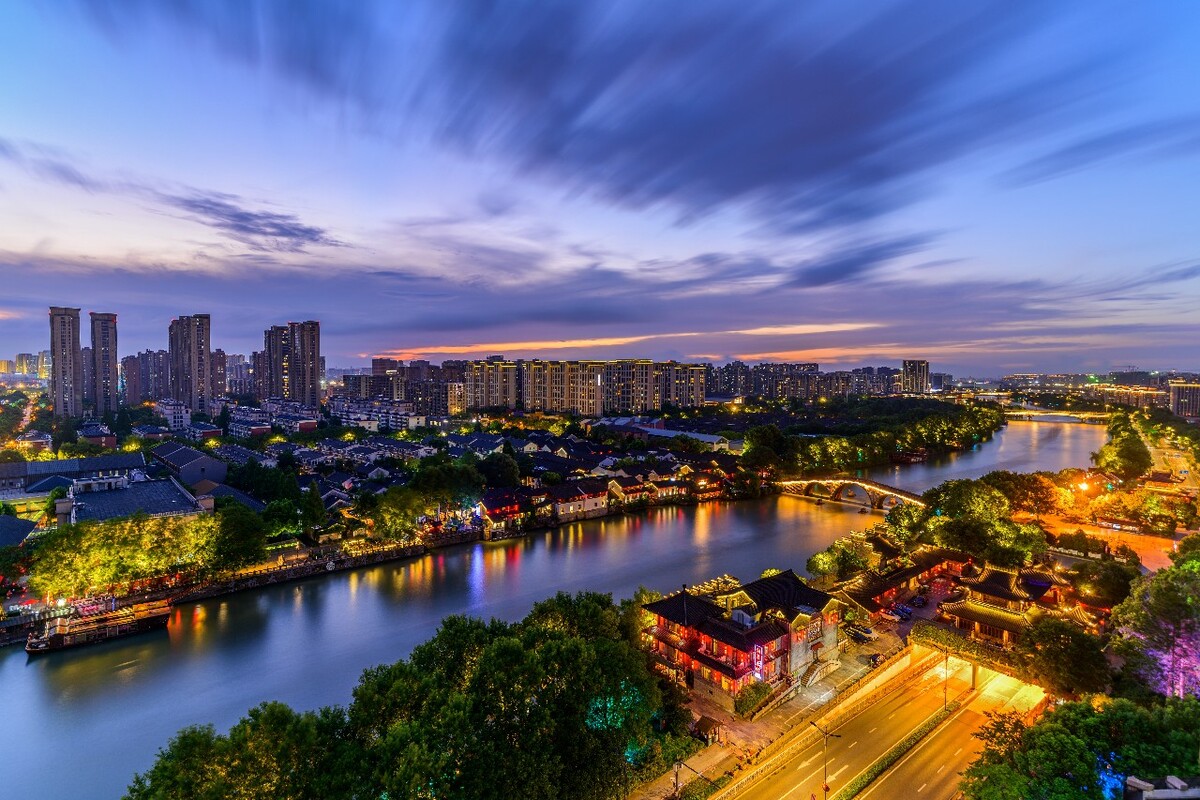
x=66 y=632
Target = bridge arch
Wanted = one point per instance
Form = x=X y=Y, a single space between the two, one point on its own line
x=846 y=490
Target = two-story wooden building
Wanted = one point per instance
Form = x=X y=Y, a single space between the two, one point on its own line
x=720 y=638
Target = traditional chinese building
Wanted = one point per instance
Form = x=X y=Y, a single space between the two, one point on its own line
x=1001 y=603
x=721 y=636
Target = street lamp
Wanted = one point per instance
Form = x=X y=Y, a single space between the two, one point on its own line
x=825 y=756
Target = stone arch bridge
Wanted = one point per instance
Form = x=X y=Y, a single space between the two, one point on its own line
x=875 y=494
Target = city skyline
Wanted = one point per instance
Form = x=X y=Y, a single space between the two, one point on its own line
x=1008 y=192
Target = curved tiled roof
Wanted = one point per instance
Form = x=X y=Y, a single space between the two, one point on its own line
x=988 y=614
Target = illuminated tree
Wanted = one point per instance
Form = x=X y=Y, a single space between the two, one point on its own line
x=1160 y=627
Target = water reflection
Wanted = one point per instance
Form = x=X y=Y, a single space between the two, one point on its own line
x=306 y=644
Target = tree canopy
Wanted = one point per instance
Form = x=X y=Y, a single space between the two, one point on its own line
x=559 y=705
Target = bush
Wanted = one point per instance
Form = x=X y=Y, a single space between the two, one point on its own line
x=751 y=697
x=701 y=788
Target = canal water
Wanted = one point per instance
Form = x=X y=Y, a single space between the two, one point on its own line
x=80 y=724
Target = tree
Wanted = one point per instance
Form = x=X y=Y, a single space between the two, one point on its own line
x=1160 y=628
x=1062 y=658
x=241 y=537
x=312 y=507
x=500 y=470
x=1081 y=751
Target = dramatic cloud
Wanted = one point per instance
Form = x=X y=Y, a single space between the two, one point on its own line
x=802 y=116
x=606 y=178
x=259 y=230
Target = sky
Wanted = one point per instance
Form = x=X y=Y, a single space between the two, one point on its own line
x=993 y=186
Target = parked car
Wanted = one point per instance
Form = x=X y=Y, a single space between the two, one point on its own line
x=889 y=614
x=865 y=631
x=900 y=613
x=919 y=601
x=904 y=608
x=923 y=589
x=856 y=636
x=875 y=659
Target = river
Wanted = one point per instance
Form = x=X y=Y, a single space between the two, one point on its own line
x=81 y=723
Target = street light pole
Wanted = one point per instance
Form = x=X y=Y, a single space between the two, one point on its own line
x=825 y=756
x=946 y=681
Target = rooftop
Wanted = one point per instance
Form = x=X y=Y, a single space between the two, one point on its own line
x=155 y=498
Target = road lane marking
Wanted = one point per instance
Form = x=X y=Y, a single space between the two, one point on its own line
x=939 y=769
x=873 y=730
x=833 y=775
x=923 y=785
x=852 y=744
x=959 y=750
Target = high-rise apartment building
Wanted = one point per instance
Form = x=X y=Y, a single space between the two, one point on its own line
x=131 y=380
x=105 y=385
x=492 y=384
x=557 y=386
x=220 y=375
x=89 y=376
x=291 y=363
x=43 y=364
x=8 y=366
x=914 y=377
x=26 y=364
x=1185 y=399
x=385 y=366
x=66 y=362
x=191 y=361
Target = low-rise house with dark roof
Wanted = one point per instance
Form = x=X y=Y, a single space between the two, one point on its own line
x=720 y=637
x=14 y=530
x=625 y=490
x=219 y=490
x=582 y=499
x=98 y=434
x=35 y=441
x=189 y=465
x=898 y=577
x=248 y=429
x=16 y=477
x=155 y=433
x=101 y=499
x=201 y=431
x=236 y=454
x=503 y=511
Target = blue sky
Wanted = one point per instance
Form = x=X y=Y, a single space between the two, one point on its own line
x=997 y=187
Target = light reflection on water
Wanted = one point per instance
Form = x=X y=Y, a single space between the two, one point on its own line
x=111 y=706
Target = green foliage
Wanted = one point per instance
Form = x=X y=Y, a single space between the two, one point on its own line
x=1160 y=627
x=1074 y=750
x=500 y=470
x=840 y=559
x=273 y=752
x=74 y=560
x=1063 y=659
x=1125 y=455
x=751 y=697
x=546 y=708
x=264 y=483
x=1104 y=583
x=701 y=788
x=938 y=638
x=241 y=537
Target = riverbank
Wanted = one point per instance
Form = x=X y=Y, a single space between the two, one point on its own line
x=306 y=642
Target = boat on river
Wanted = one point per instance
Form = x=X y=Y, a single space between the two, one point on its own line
x=66 y=632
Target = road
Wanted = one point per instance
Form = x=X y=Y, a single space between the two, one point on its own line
x=931 y=770
x=862 y=739
x=1152 y=550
